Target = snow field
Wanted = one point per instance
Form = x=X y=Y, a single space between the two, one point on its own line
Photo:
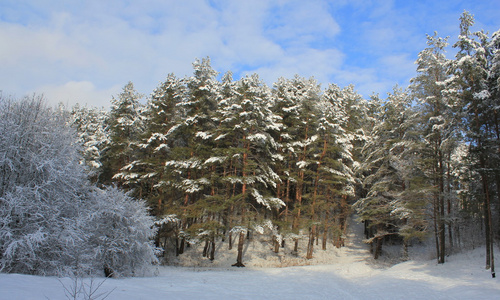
x=350 y=274
x=462 y=277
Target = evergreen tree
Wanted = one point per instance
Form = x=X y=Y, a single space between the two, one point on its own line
x=387 y=172
x=147 y=173
x=439 y=135
x=494 y=99
x=470 y=86
x=186 y=174
x=92 y=135
x=295 y=103
x=124 y=127
x=246 y=135
x=340 y=110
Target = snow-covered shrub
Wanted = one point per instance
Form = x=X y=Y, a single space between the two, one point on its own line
x=52 y=221
x=38 y=234
x=121 y=234
x=41 y=185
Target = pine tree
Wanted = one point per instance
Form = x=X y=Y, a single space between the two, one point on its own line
x=124 y=127
x=92 y=135
x=439 y=134
x=186 y=174
x=295 y=102
x=338 y=131
x=386 y=172
x=247 y=127
x=494 y=99
x=147 y=173
x=469 y=84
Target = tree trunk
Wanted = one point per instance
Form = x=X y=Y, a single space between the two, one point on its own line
x=448 y=195
x=441 y=224
x=490 y=261
x=181 y=246
x=212 y=249
x=108 y=272
x=317 y=236
x=338 y=241
x=436 y=232
x=497 y=177
x=206 y=249
x=325 y=237
x=239 y=259
x=276 y=245
x=296 y=247
x=378 y=248
x=442 y=234
x=310 y=244
x=497 y=173
x=405 y=250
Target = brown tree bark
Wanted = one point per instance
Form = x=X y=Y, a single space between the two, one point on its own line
x=212 y=249
x=310 y=244
x=239 y=259
x=324 y=238
x=378 y=247
x=276 y=246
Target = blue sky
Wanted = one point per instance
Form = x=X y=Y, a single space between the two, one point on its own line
x=86 y=51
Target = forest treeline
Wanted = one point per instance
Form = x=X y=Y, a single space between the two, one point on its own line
x=217 y=159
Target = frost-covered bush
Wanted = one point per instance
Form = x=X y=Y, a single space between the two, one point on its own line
x=52 y=221
x=121 y=234
x=38 y=234
x=41 y=184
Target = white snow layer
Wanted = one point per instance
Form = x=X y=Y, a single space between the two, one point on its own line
x=349 y=274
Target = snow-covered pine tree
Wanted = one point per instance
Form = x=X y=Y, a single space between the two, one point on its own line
x=494 y=88
x=439 y=133
x=124 y=127
x=218 y=203
x=358 y=121
x=161 y=117
x=386 y=171
x=295 y=102
x=187 y=174
x=246 y=135
x=92 y=135
x=471 y=86
x=335 y=181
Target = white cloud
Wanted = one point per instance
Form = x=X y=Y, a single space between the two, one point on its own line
x=84 y=52
x=96 y=47
x=82 y=92
x=53 y=43
x=320 y=64
x=276 y=39
x=300 y=23
x=398 y=65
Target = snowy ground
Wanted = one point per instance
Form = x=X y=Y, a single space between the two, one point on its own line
x=350 y=274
